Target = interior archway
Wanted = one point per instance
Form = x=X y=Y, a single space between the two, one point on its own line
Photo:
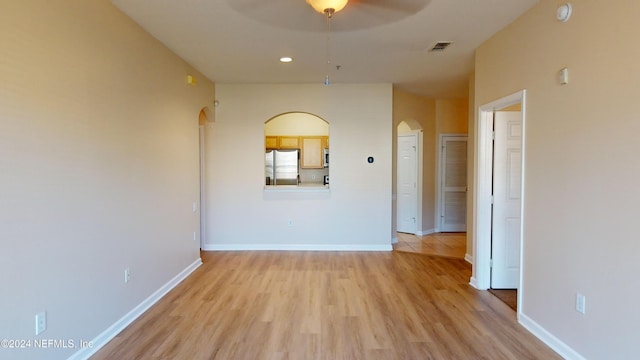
x=205 y=116
x=408 y=205
x=408 y=125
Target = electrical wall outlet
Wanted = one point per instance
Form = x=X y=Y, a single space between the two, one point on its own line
x=127 y=275
x=581 y=303
x=41 y=322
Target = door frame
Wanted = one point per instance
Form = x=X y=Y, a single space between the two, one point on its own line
x=483 y=179
x=440 y=179
x=203 y=182
x=419 y=144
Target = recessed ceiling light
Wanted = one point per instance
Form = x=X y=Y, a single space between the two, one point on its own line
x=286 y=59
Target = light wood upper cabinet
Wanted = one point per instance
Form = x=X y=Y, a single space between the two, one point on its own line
x=282 y=142
x=312 y=152
x=325 y=142
x=271 y=142
x=311 y=148
x=289 y=142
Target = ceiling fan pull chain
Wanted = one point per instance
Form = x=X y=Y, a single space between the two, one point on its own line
x=328 y=50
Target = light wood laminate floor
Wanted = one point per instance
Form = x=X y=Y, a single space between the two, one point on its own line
x=327 y=305
x=453 y=245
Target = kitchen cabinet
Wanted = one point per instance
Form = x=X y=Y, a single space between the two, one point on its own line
x=325 y=142
x=282 y=142
x=311 y=148
x=288 y=142
x=312 y=152
x=271 y=142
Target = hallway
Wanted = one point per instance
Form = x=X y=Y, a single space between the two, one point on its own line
x=450 y=245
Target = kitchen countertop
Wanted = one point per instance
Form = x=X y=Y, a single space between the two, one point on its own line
x=302 y=187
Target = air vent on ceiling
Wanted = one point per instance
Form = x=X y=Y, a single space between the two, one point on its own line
x=440 y=46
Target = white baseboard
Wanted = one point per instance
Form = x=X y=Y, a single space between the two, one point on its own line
x=111 y=332
x=553 y=342
x=295 y=247
x=468 y=258
x=426 y=232
x=473 y=282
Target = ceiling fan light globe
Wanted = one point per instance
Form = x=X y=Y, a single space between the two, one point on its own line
x=322 y=5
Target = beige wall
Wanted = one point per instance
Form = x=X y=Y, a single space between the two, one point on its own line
x=354 y=214
x=452 y=116
x=471 y=118
x=581 y=167
x=98 y=136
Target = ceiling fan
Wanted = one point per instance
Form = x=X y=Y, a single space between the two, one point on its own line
x=354 y=14
x=327 y=7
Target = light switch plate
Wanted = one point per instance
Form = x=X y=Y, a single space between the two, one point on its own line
x=564 y=76
x=581 y=303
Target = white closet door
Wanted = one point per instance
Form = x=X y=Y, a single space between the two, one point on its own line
x=407 y=184
x=507 y=189
x=453 y=193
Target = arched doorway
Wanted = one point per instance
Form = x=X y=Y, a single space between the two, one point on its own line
x=204 y=117
x=409 y=177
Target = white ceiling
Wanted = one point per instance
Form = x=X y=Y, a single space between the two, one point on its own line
x=373 y=41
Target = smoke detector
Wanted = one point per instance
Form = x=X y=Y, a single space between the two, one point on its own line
x=564 y=12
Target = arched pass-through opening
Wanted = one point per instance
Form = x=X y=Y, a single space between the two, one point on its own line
x=296 y=151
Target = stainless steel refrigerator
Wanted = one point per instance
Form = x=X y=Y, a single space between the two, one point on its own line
x=281 y=167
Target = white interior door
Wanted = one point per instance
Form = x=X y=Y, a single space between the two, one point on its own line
x=507 y=189
x=453 y=189
x=407 y=181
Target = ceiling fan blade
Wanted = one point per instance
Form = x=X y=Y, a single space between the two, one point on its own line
x=362 y=14
x=298 y=15
x=290 y=14
x=244 y=6
x=404 y=6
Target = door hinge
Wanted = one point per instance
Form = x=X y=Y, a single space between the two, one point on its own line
x=490 y=262
x=491 y=199
x=493 y=135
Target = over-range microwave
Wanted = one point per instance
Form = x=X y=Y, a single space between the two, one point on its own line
x=325 y=157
